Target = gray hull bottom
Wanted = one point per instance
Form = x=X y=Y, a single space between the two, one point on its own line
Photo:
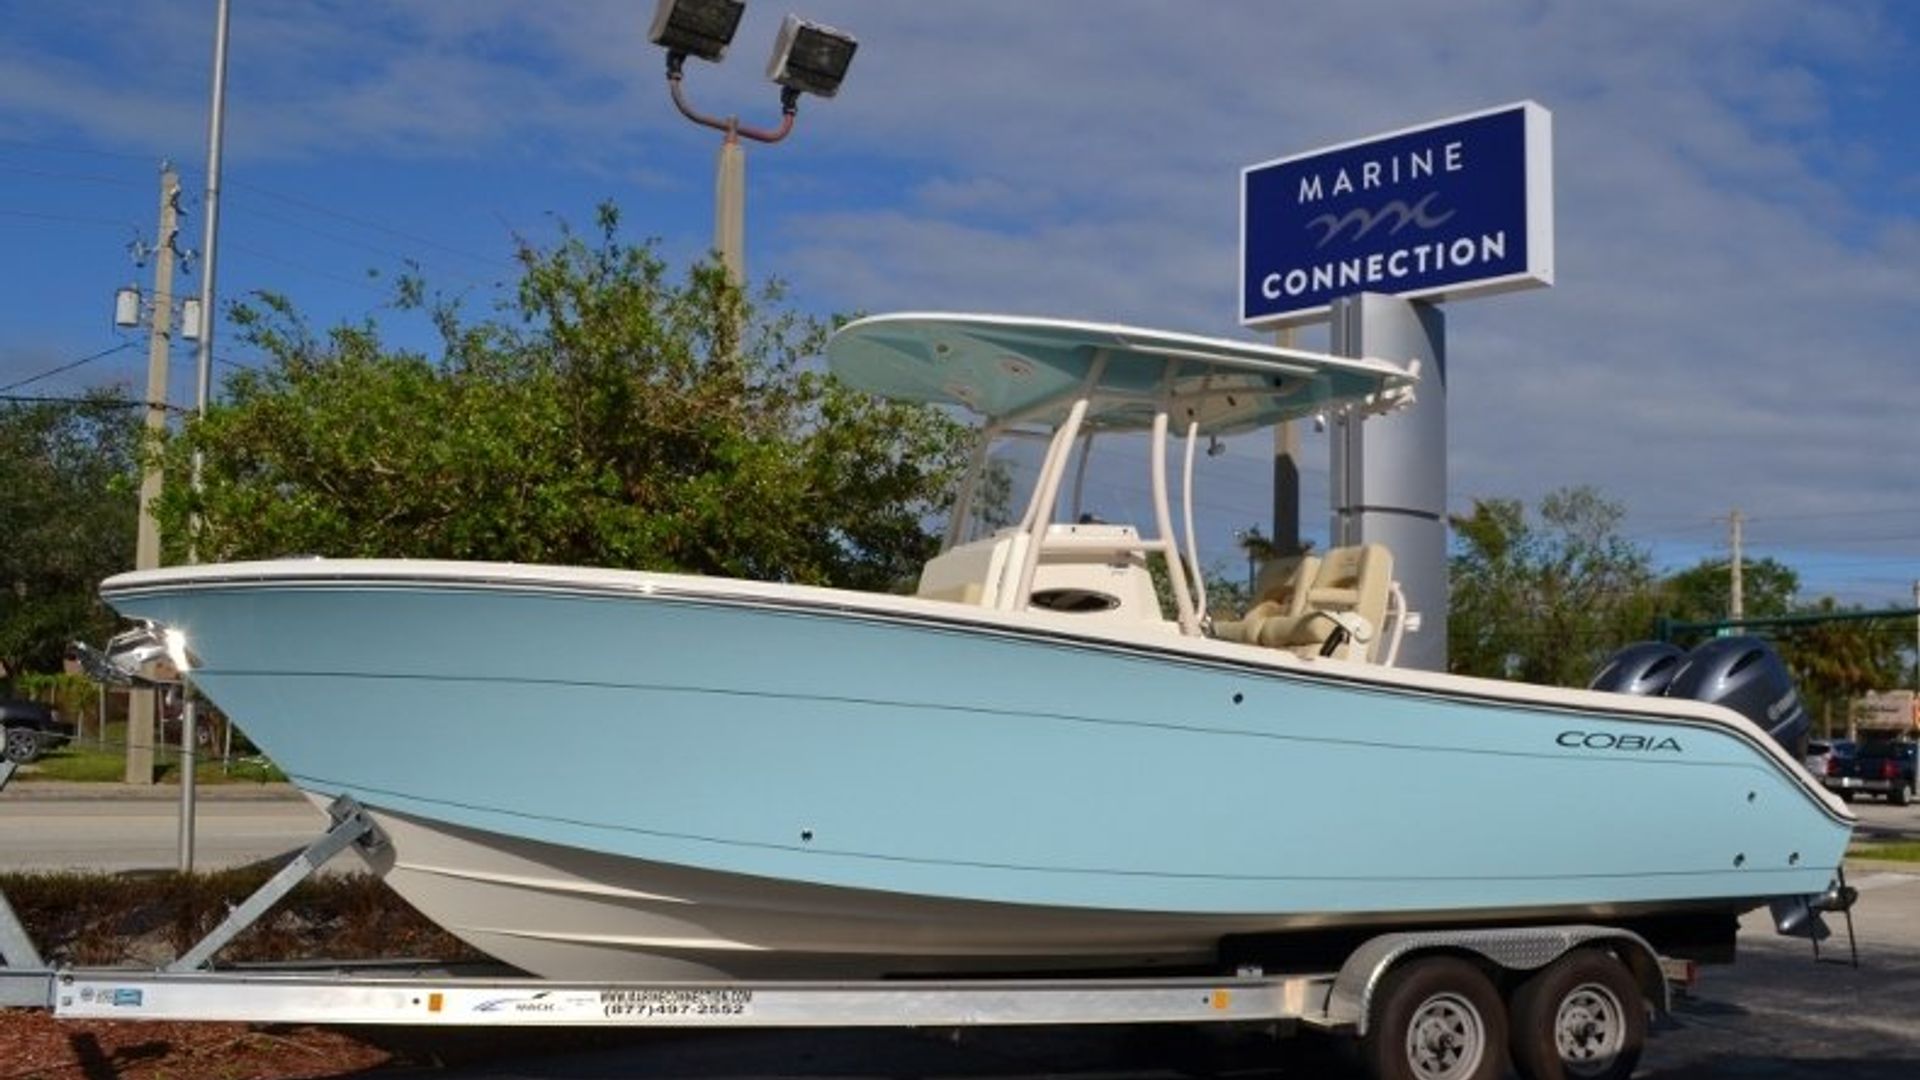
x=565 y=913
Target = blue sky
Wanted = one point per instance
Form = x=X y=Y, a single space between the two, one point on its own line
x=1738 y=286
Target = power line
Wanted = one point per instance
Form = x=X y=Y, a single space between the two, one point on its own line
x=55 y=174
x=1878 y=512
x=1847 y=541
x=294 y=222
x=305 y=269
x=365 y=223
x=59 y=149
x=71 y=219
x=104 y=403
x=1892 y=561
x=68 y=366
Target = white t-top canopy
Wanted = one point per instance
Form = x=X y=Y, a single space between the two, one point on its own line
x=1012 y=369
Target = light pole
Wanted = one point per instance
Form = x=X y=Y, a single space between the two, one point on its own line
x=807 y=59
x=203 y=378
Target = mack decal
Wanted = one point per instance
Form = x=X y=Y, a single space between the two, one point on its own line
x=1601 y=740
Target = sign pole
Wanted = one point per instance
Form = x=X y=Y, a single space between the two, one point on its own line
x=1389 y=473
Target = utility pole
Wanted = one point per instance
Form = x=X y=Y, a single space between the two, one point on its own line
x=142 y=702
x=1736 y=596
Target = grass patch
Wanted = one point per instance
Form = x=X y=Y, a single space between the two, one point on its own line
x=87 y=761
x=1890 y=850
x=82 y=762
x=94 y=919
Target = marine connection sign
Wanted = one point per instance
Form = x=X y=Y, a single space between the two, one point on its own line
x=1454 y=208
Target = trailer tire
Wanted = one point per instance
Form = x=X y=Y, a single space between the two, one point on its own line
x=1436 y=1018
x=1899 y=796
x=1580 y=1018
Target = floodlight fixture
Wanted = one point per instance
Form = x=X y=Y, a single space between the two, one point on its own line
x=699 y=28
x=810 y=58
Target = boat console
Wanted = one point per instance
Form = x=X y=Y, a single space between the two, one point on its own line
x=1090 y=570
x=1342 y=604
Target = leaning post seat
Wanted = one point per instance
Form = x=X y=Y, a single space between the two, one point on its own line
x=1349 y=582
x=1281 y=589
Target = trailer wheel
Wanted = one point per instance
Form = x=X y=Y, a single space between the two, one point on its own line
x=1899 y=796
x=1436 y=1018
x=1581 y=1018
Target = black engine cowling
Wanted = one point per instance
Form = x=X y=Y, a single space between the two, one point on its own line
x=1644 y=668
x=1741 y=673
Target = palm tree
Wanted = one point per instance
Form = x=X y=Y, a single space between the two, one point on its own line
x=1836 y=662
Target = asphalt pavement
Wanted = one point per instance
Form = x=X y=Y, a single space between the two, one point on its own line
x=114 y=828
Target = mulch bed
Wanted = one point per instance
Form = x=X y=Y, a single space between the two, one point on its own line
x=145 y=920
x=35 y=1046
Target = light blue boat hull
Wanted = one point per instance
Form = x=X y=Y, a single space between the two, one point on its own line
x=888 y=753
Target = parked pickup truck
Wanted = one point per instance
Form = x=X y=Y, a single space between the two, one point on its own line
x=31 y=728
x=1883 y=767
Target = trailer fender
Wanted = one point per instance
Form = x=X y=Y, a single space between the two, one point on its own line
x=1518 y=950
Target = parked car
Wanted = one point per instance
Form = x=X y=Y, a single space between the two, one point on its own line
x=31 y=728
x=1883 y=767
x=1821 y=751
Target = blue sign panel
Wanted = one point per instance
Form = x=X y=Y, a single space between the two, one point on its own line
x=1451 y=209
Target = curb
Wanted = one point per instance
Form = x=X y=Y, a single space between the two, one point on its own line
x=29 y=790
x=1882 y=866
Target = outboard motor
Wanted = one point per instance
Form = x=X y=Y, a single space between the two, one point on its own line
x=1644 y=668
x=1746 y=675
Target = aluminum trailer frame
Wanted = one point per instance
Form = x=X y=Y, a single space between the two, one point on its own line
x=1330 y=1001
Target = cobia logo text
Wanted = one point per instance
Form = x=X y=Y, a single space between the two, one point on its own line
x=1601 y=740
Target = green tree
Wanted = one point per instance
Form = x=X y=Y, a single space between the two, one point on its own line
x=1835 y=662
x=607 y=414
x=1832 y=662
x=1544 y=601
x=1703 y=592
x=68 y=474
